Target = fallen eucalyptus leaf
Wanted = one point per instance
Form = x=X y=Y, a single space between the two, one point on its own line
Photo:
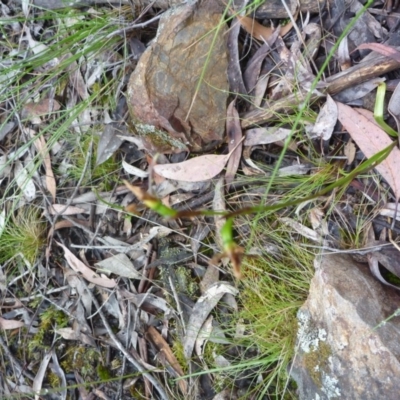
x=91 y=276
x=196 y=169
x=257 y=136
x=201 y=310
x=371 y=139
x=120 y=265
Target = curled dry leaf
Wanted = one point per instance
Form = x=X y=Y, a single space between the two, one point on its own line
x=62 y=209
x=91 y=276
x=383 y=49
x=234 y=132
x=302 y=229
x=201 y=310
x=394 y=106
x=326 y=120
x=37 y=383
x=371 y=139
x=130 y=169
x=41 y=146
x=56 y=368
x=24 y=181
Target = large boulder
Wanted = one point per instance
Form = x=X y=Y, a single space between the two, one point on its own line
x=348 y=343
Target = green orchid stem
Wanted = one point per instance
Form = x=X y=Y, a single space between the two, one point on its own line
x=227 y=228
x=227 y=234
x=370 y=163
x=378 y=110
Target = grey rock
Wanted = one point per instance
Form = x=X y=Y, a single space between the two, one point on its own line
x=348 y=341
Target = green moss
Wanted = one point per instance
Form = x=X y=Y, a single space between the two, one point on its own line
x=185 y=281
x=54 y=380
x=103 y=372
x=82 y=359
x=177 y=349
x=42 y=340
x=103 y=176
x=317 y=362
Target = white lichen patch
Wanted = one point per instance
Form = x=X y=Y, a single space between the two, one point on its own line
x=330 y=386
x=309 y=336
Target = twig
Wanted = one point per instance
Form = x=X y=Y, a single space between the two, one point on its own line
x=122 y=349
x=14 y=361
x=178 y=304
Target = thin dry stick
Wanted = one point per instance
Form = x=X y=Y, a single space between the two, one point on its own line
x=122 y=349
x=14 y=361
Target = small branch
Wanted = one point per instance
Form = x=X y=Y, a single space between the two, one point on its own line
x=371 y=67
x=14 y=361
x=122 y=349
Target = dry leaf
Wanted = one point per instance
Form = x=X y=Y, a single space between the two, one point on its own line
x=41 y=108
x=234 y=133
x=391 y=210
x=302 y=229
x=358 y=91
x=380 y=48
x=201 y=310
x=91 y=276
x=120 y=265
x=371 y=139
x=262 y=32
x=394 y=106
x=10 y=323
x=196 y=169
x=235 y=79
x=130 y=169
x=41 y=146
x=38 y=382
x=63 y=209
x=110 y=141
x=326 y=120
x=24 y=182
x=350 y=151
x=257 y=136
x=56 y=368
x=163 y=347
x=253 y=68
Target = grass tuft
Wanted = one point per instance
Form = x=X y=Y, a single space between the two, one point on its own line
x=24 y=235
